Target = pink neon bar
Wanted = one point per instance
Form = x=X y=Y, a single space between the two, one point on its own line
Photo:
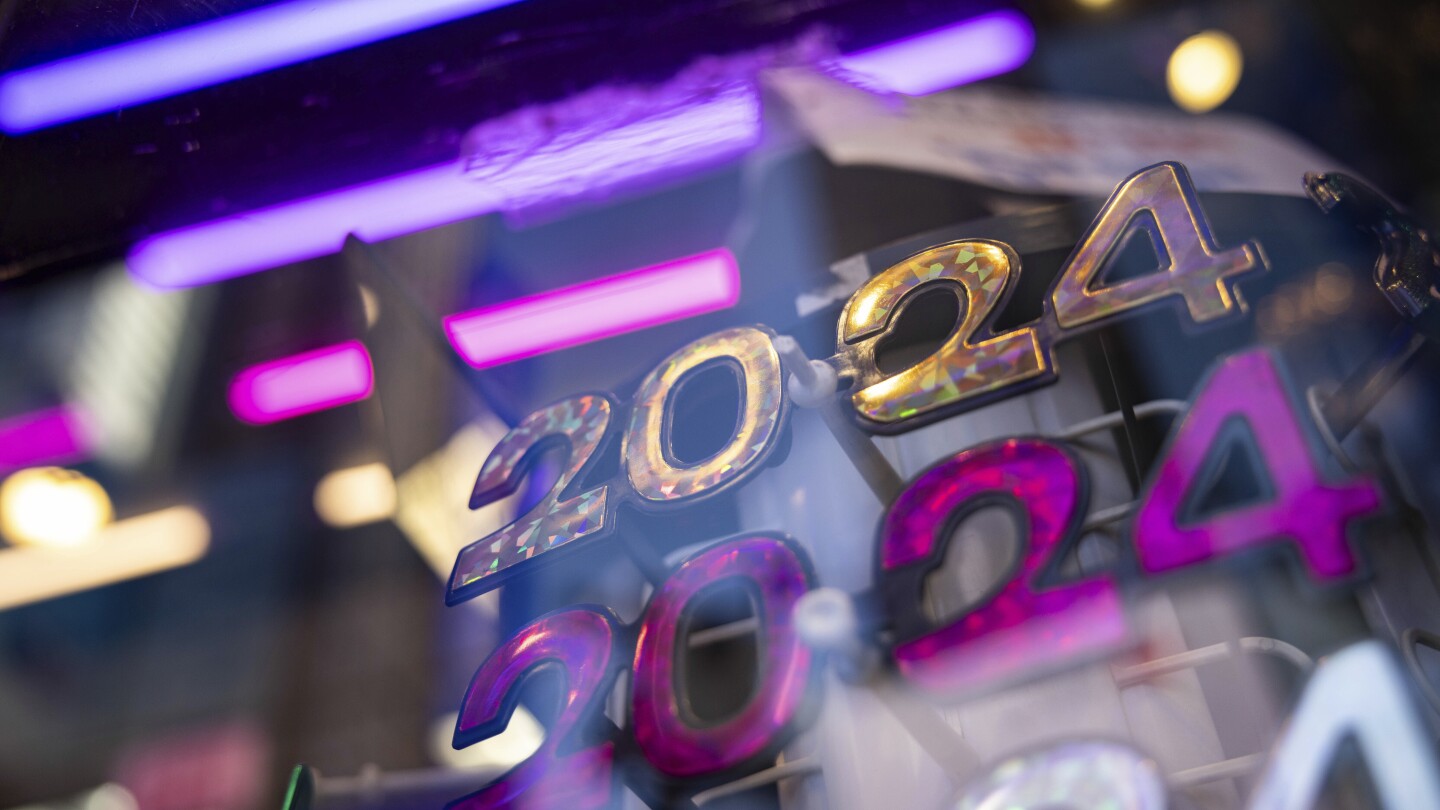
x=597 y=309
x=302 y=383
x=51 y=436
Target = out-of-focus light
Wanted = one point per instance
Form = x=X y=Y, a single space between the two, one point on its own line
x=1095 y=5
x=370 y=305
x=303 y=383
x=209 y=53
x=356 y=496
x=685 y=137
x=433 y=509
x=308 y=227
x=1203 y=71
x=521 y=737
x=1333 y=288
x=596 y=309
x=54 y=507
x=130 y=548
x=965 y=52
x=51 y=436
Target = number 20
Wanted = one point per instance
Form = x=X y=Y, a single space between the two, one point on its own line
x=583 y=645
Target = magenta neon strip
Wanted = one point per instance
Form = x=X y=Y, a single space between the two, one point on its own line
x=597 y=309
x=51 y=436
x=965 y=52
x=302 y=383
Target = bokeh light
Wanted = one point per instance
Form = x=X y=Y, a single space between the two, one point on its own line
x=356 y=496
x=51 y=506
x=1204 y=70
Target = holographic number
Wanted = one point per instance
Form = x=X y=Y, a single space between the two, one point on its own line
x=582 y=424
x=1028 y=622
x=1245 y=393
x=567 y=771
x=969 y=364
x=1159 y=202
x=1358 y=693
x=975 y=366
x=653 y=470
x=676 y=742
x=1089 y=775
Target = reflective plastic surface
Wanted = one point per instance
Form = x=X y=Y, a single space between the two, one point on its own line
x=655 y=474
x=673 y=739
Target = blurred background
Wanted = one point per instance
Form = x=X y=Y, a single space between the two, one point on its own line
x=238 y=449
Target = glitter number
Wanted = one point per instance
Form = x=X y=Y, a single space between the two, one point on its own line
x=655 y=474
x=1244 y=395
x=1027 y=623
x=581 y=424
x=969 y=364
x=1082 y=774
x=975 y=366
x=1160 y=203
x=676 y=742
x=567 y=772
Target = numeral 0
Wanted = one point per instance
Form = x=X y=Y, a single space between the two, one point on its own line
x=678 y=744
x=654 y=473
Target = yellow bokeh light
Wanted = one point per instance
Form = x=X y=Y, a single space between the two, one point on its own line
x=1204 y=70
x=50 y=506
x=1096 y=5
x=356 y=496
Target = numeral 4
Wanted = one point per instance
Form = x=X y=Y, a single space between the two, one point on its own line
x=1158 y=202
x=1244 y=394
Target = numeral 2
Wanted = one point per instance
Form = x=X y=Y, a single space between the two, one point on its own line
x=565 y=773
x=581 y=424
x=1026 y=623
x=969 y=364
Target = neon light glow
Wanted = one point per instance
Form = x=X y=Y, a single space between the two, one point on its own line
x=303 y=383
x=209 y=53
x=307 y=228
x=597 y=309
x=691 y=122
x=51 y=436
x=957 y=54
x=723 y=126
x=131 y=548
